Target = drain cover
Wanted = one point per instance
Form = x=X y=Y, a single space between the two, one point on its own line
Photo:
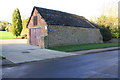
x=25 y=52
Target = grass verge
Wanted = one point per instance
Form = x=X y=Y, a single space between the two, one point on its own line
x=80 y=47
x=2 y=57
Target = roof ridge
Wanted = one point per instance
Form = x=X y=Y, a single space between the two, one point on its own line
x=57 y=11
x=56 y=17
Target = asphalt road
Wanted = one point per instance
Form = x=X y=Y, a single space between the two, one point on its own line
x=97 y=65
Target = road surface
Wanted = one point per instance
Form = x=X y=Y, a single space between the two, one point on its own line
x=97 y=65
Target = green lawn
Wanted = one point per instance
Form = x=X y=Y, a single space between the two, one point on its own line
x=7 y=35
x=71 y=48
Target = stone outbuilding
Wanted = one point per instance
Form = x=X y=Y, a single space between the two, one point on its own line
x=47 y=28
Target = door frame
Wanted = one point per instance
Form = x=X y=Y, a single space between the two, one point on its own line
x=33 y=41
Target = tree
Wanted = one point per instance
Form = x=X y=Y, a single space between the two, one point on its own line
x=8 y=28
x=3 y=25
x=106 y=33
x=109 y=19
x=16 y=23
x=24 y=24
x=24 y=30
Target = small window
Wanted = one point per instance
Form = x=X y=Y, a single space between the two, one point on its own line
x=35 y=21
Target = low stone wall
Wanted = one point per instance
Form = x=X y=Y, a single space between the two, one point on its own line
x=114 y=40
x=67 y=35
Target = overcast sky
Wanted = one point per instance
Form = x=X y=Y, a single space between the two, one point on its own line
x=86 y=8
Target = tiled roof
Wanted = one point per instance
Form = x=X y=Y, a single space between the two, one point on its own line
x=54 y=17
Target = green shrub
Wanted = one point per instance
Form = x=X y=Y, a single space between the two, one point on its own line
x=2 y=28
x=115 y=35
x=24 y=36
x=106 y=33
x=2 y=57
x=115 y=32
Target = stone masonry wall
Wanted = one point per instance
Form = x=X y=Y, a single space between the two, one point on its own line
x=67 y=35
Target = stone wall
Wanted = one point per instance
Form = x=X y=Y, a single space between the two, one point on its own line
x=67 y=35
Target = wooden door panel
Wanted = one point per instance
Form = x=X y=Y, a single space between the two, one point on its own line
x=35 y=38
x=38 y=38
x=32 y=36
